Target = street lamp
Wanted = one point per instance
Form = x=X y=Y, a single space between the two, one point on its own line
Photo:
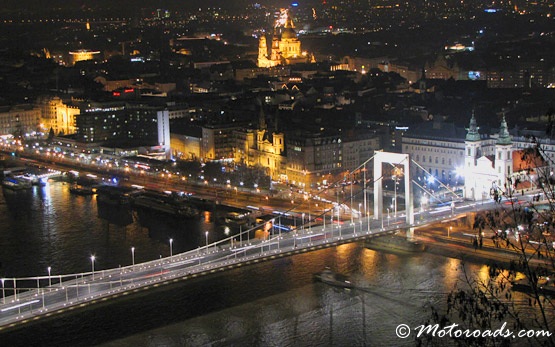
x=352 y=220
x=133 y=255
x=360 y=216
x=171 y=249
x=206 y=241
x=49 y=278
x=395 y=196
x=92 y=264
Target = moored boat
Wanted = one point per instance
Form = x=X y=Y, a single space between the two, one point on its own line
x=80 y=190
x=395 y=244
x=545 y=286
x=15 y=183
x=332 y=278
x=164 y=204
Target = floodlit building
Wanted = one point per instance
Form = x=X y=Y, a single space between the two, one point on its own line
x=82 y=55
x=264 y=147
x=58 y=115
x=486 y=176
x=285 y=46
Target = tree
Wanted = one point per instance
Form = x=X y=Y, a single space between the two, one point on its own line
x=492 y=303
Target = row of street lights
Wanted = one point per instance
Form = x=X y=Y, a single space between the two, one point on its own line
x=93 y=258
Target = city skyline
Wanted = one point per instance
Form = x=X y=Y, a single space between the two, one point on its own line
x=144 y=143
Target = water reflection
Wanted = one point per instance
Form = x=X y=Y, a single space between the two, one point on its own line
x=265 y=304
x=277 y=304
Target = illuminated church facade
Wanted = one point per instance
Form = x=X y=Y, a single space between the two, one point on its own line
x=285 y=46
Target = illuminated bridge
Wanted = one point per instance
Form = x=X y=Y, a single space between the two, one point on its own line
x=28 y=299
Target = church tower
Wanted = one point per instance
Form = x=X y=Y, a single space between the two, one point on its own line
x=262 y=51
x=503 y=157
x=275 y=55
x=472 y=151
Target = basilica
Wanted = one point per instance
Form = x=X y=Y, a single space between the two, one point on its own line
x=285 y=48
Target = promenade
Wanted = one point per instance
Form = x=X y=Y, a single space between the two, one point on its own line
x=458 y=243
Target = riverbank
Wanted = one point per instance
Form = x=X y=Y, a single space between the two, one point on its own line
x=459 y=243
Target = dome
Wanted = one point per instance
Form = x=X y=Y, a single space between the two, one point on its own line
x=288 y=33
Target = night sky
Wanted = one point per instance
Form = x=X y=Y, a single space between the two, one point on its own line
x=130 y=4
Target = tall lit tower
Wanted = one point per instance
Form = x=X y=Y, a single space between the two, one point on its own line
x=472 y=149
x=503 y=156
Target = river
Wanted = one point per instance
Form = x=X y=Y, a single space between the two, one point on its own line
x=275 y=303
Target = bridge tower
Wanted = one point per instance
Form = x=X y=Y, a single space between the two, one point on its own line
x=395 y=159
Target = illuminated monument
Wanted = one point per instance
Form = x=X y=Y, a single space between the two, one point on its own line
x=82 y=55
x=285 y=47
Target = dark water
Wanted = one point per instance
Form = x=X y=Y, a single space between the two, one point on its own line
x=48 y=226
x=275 y=303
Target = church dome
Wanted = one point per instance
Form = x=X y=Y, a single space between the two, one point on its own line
x=288 y=33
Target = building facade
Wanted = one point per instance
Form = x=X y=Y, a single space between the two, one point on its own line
x=19 y=120
x=58 y=115
x=121 y=124
x=219 y=141
x=313 y=158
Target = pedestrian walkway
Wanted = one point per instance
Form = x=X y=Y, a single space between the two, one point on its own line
x=465 y=246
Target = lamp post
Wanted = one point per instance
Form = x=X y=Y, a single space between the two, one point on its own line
x=309 y=216
x=206 y=234
x=133 y=256
x=339 y=223
x=49 y=278
x=171 y=249
x=368 y=219
x=92 y=264
x=360 y=216
x=395 y=197
x=388 y=217
x=352 y=177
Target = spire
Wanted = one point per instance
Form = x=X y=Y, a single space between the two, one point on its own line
x=504 y=136
x=472 y=134
x=289 y=21
x=262 y=119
